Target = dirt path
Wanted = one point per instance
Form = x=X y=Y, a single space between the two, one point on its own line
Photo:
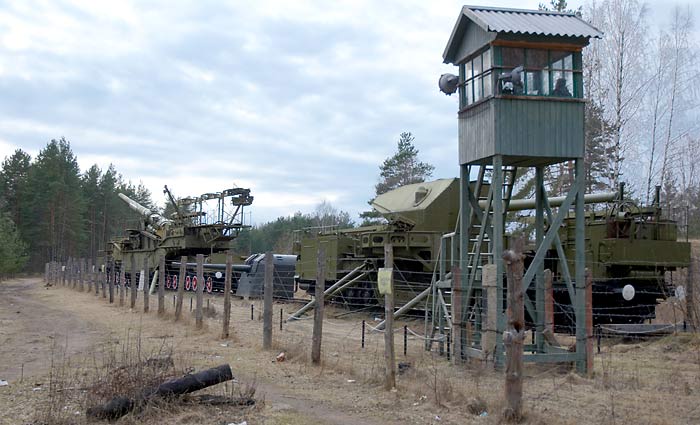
x=35 y=321
x=31 y=327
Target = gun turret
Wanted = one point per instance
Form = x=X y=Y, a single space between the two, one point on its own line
x=154 y=220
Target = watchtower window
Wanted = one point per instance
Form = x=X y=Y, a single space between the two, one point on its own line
x=476 y=79
x=553 y=73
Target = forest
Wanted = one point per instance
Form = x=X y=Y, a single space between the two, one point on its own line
x=641 y=129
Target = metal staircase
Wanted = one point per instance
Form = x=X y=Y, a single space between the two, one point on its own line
x=480 y=234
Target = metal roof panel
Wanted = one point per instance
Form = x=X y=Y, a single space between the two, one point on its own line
x=533 y=22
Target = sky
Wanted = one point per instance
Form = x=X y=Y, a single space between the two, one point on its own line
x=300 y=101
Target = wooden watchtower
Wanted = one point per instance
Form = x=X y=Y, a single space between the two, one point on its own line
x=521 y=104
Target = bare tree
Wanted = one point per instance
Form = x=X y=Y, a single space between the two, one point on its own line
x=622 y=76
x=657 y=101
x=680 y=30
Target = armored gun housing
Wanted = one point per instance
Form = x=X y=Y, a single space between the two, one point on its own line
x=190 y=231
x=417 y=215
x=625 y=245
x=630 y=253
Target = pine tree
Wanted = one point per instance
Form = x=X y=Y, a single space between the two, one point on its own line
x=400 y=169
x=92 y=194
x=54 y=226
x=13 y=250
x=13 y=180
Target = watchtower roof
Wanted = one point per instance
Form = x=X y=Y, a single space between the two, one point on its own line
x=502 y=21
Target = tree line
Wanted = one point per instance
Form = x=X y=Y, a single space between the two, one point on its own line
x=50 y=210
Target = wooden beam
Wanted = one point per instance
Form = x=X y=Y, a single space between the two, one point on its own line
x=320 y=287
x=389 y=355
x=514 y=334
x=267 y=302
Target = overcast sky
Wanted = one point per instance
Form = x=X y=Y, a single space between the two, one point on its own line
x=299 y=101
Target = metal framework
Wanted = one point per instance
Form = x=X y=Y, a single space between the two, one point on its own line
x=480 y=241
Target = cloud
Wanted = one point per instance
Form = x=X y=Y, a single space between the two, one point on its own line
x=300 y=101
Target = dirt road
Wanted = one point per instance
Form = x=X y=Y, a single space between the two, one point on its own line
x=32 y=326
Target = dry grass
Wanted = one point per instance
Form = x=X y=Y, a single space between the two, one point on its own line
x=126 y=368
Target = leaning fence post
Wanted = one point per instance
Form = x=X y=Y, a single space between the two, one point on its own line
x=199 y=314
x=514 y=334
x=320 y=301
x=227 y=296
x=161 y=285
x=181 y=287
x=267 y=304
x=389 y=354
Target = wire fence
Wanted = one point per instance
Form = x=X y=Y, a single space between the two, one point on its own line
x=655 y=295
x=353 y=343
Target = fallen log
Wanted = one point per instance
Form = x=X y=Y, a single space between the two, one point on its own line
x=120 y=406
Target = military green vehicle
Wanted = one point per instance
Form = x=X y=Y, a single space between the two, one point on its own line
x=190 y=231
x=630 y=253
x=625 y=246
x=417 y=216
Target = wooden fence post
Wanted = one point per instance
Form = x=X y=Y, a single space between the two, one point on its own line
x=181 y=287
x=122 y=283
x=548 y=302
x=514 y=334
x=72 y=278
x=389 y=355
x=146 y=285
x=82 y=274
x=105 y=280
x=691 y=315
x=88 y=274
x=589 y=324
x=110 y=279
x=46 y=273
x=267 y=304
x=199 y=313
x=133 y=283
x=227 y=296
x=161 y=285
x=457 y=325
x=99 y=282
x=64 y=269
x=110 y=275
x=75 y=271
x=320 y=301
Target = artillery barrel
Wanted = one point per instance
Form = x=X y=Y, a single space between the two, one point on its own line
x=154 y=219
x=136 y=206
x=530 y=204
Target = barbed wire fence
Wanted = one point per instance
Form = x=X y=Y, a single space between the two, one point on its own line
x=353 y=344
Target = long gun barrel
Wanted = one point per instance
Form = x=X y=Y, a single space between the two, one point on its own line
x=152 y=219
x=530 y=204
